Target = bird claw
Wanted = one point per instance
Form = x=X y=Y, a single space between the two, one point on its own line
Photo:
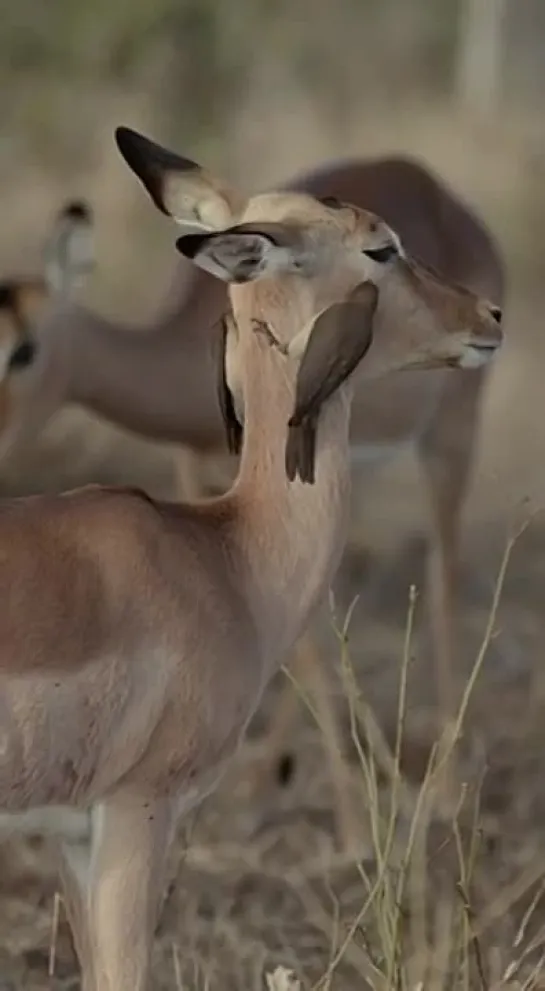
x=260 y=327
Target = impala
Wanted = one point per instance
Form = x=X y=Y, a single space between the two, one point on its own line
x=137 y=636
x=161 y=381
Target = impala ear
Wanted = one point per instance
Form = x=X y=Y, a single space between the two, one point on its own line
x=178 y=186
x=69 y=255
x=331 y=350
x=24 y=301
x=248 y=251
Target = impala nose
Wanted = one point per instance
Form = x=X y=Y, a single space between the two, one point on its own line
x=496 y=312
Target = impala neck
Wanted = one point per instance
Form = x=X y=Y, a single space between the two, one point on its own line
x=291 y=534
x=158 y=379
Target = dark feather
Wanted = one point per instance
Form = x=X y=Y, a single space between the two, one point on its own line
x=339 y=339
x=233 y=428
x=292 y=452
x=301 y=451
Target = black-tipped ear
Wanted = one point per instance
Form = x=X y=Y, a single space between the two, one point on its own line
x=189 y=245
x=246 y=251
x=232 y=255
x=151 y=162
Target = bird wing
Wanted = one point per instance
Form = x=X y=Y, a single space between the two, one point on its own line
x=233 y=428
x=339 y=339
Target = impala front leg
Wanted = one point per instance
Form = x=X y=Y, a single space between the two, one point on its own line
x=74 y=865
x=130 y=846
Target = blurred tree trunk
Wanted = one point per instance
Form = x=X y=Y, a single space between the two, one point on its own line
x=479 y=59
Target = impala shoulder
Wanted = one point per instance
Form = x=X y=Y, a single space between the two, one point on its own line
x=100 y=522
x=118 y=510
x=130 y=495
x=120 y=531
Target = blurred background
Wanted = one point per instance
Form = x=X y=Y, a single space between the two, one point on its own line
x=258 y=90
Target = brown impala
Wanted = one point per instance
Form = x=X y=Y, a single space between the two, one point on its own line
x=161 y=381
x=137 y=636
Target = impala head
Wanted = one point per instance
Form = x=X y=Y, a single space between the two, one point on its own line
x=329 y=246
x=319 y=250
x=323 y=282
x=447 y=325
x=24 y=301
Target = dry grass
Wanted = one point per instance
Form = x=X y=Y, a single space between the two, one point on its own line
x=446 y=891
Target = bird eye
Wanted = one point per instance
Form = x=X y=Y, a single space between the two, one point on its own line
x=332 y=202
x=381 y=255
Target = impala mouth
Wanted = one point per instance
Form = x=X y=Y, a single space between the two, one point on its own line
x=466 y=353
x=478 y=353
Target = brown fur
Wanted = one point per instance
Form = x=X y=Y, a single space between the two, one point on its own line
x=160 y=380
x=138 y=636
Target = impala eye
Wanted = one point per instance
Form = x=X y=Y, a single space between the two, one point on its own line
x=7 y=296
x=23 y=356
x=381 y=255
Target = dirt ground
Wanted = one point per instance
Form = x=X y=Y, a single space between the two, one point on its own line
x=258 y=882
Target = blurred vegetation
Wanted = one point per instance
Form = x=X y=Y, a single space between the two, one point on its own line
x=113 y=38
x=257 y=82
x=196 y=58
